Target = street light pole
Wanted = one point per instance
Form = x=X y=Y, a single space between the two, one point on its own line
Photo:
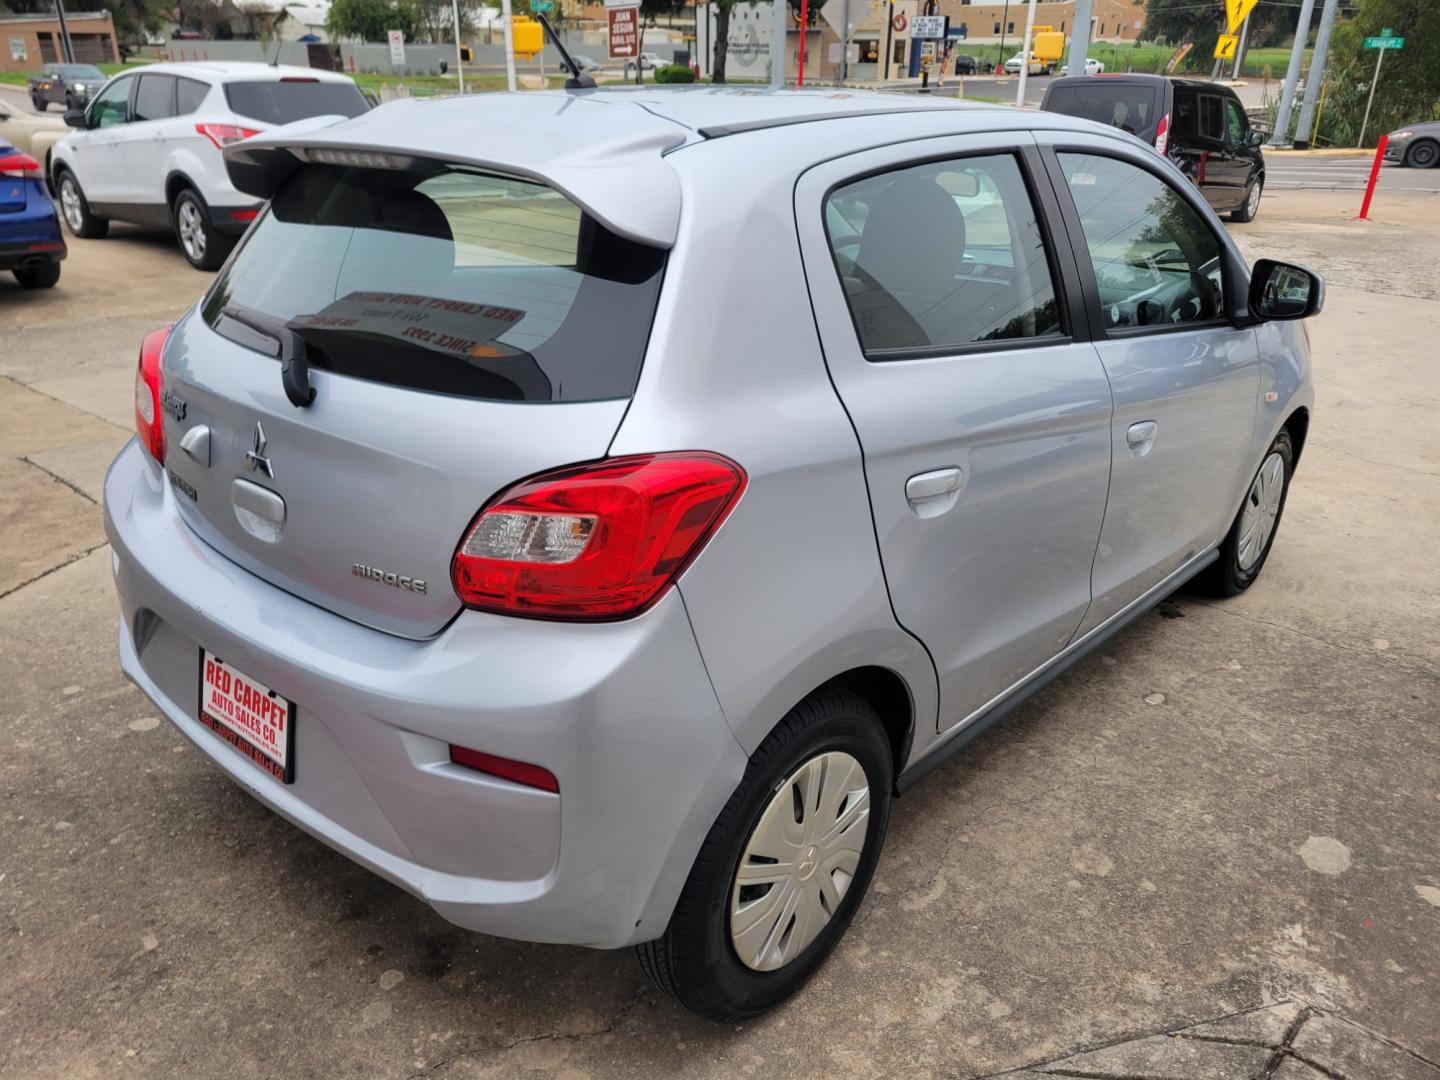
x=1292 y=74
x=509 y=46
x=67 y=47
x=1316 y=76
x=459 y=65
x=1025 y=56
x=1004 y=21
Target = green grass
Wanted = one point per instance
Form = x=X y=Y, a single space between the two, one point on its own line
x=1153 y=58
x=18 y=78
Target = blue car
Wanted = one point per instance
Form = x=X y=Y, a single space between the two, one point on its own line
x=31 y=246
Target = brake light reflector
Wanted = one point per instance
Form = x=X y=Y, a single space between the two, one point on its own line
x=223 y=135
x=1162 y=135
x=249 y=214
x=597 y=541
x=518 y=771
x=19 y=166
x=149 y=422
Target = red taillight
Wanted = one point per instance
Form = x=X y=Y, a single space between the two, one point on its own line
x=149 y=421
x=1162 y=135
x=223 y=135
x=19 y=166
x=597 y=541
x=518 y=771
x=244 y=215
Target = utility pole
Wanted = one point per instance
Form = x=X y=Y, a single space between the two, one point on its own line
x=1004 y=22
x=845 y=42
x=1316 y=76
x=1080 y=37
x=889 y=49
x=510 y=46
x=777 y=44
x=459 y=65
x=1292 y=74
x=1025 y=56
x=67 y=47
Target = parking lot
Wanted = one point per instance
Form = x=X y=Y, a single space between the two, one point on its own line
x=1232 y=810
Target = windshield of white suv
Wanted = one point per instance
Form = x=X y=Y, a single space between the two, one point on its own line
x=444 y=280
x=299 y=98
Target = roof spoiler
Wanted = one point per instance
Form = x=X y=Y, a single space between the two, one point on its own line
x=626 y=187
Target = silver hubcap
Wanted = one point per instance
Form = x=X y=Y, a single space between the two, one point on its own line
x=1262 y=507
x=1254 y=200
x=70 y=204
x=192 y=230
x=800 y=860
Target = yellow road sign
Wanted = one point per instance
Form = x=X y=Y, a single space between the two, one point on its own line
x=1235 y=12
x=1225 y=47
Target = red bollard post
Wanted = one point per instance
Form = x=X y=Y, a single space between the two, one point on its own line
x=804 y=19
x=1374 y=175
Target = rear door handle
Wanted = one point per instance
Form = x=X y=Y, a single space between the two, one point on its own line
x=1141 y=436
x=929 y=488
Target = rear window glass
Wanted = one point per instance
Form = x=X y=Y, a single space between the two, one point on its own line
x=1130 y=107
x=444 y=280
x=280 y=102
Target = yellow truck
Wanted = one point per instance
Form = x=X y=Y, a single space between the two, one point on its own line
x=1047 y=45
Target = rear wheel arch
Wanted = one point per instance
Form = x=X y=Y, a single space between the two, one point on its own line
x=889 y=695
x=177 y=182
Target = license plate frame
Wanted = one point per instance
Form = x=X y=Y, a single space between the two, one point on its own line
x=256 y=747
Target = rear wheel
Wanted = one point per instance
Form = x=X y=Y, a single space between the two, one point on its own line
x=41 y=276
x=1423 y=155
x=786 y=864
x=1247 y=210
x=1247 y=545
x=76 y=211
x=204 y=247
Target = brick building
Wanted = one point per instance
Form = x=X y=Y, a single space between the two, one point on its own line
x=27 y=41
x=1110 y=20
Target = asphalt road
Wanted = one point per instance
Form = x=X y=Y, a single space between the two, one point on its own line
x=1293 y=172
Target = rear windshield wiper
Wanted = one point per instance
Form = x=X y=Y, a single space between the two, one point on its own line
x=294 y=360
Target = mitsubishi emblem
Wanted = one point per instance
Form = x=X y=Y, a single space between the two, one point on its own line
x=255 y=459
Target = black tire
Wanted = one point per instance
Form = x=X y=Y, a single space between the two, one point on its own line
x=1244 y=211
x=1226 y=576
x=87 y=226
x=1425 y=154
x=206 y=247
x=41 y=105
x=41 y=276
x=695 y=961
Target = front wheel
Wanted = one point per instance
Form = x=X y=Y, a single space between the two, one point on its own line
x=1247 y=545
x=1423 y=155
x=76 y=211
x=40 y=103
x=785 y=865
x=1247 y=210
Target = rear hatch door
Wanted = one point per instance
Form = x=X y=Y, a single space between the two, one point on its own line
x=1132 y=105
x=464 y=331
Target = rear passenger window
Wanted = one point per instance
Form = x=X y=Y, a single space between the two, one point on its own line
x=942 y=255
x=1156 y=261
x=189 y=94
x=155 y=98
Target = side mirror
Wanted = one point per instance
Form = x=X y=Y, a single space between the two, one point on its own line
x=1283 y=291
x=75 y=118
x=1255 y=139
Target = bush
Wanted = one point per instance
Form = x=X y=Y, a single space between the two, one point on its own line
x=674 y=73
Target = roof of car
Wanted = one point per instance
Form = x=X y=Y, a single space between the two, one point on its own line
x=1123 y=77
x=225 y=70
x=602 y=148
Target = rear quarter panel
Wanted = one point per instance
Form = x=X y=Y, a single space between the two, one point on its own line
x=790 y=592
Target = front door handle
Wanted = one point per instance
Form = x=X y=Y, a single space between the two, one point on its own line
x=1141 y=437
x=934 y=492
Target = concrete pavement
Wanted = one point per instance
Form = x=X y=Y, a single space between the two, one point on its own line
x=1231 y=812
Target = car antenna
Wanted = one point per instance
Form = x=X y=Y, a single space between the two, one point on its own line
x=578 y=80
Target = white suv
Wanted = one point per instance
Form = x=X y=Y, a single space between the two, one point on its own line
x=148 y=147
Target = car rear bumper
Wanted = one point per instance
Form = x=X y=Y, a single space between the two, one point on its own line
x=622 y=713
x=14 y=256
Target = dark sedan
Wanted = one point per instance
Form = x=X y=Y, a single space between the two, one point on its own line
x=65 y=84
x=1416 y=145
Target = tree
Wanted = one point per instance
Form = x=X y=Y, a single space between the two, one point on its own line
x=370 y=20
x=650 y=12
x=1409 y=86
x=723 y=8
x=1178 y=21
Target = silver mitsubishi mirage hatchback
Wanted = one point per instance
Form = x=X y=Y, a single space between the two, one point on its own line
x=588 y=510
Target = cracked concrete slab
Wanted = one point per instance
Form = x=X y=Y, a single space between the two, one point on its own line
x=1124 y=858
x=82 y=465
x=48 y=523
x=1167 y=1057
x=1349 y=1051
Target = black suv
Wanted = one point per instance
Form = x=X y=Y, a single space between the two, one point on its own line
x=1201 y=126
